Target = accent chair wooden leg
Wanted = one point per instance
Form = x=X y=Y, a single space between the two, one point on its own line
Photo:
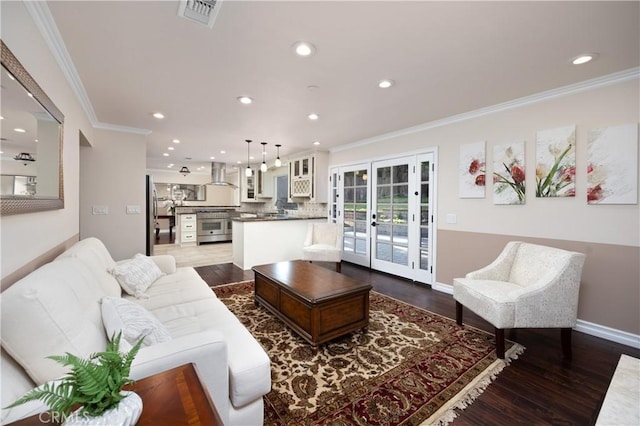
x=565 y=336
x=458 y=313
x=500 y=343
x=338 y=267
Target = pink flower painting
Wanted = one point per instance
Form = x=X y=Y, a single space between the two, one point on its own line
x=509 y=174
x=472 y=177
x=612 y=168
x=556 y=162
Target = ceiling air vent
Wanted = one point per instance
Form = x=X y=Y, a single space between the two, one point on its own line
x=201 y=11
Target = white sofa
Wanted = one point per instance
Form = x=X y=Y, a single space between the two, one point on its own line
x=57 y=309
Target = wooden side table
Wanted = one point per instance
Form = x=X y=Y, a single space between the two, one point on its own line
x=174 y=397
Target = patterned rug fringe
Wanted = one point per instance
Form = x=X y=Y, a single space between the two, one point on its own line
x=447 y=413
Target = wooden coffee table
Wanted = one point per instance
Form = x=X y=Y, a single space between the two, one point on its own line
x=173 y=397
x=317 y=303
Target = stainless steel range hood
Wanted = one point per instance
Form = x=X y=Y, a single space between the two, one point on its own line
x=219 y=175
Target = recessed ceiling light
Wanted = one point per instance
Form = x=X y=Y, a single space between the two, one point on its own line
x=158 y=115
x=313 y=116
x=19 y=130
x=170 y=148
x=239 y=162
x=316 y=143
x=245 y=100
x=223 y=152
x=584 y=58
x=176 y=141
x=212 y=158
x=304 y=48
x=170 y=165
x=385 y=84
x=165 y=154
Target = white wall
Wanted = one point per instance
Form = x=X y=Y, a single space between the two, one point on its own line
x=112 y=174
x=27 y=236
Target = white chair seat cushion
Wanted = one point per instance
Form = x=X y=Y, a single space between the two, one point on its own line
x=321 y=252
x=134 y=321
x=492 y=300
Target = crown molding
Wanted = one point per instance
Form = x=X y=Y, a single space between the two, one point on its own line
x=42 y=17
x=595 y=83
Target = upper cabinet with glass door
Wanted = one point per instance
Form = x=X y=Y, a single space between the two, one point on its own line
x=309 y=177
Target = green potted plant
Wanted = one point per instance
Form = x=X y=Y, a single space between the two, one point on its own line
x=95 y=385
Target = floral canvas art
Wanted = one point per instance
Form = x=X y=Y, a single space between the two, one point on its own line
x=472 y=170
x=612 y=167
x=556 y=162
x=508 y=174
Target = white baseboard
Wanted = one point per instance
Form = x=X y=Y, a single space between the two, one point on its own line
x=582 y=326
x=608 y=333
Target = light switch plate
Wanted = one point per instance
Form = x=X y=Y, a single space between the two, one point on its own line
x=133 y=209
x=452 y=218
x=99 y=209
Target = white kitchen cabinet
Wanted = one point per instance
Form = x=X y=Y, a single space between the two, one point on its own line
x=309 y=176
x=188 y=226
x=256 y=188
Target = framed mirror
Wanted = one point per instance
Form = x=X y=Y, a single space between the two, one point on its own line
x=31 y=142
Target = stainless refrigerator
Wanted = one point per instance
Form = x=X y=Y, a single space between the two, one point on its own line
x=151 y=213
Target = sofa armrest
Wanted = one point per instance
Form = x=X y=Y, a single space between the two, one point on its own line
x=165 y=262
x=500 y=268
x=206 y=349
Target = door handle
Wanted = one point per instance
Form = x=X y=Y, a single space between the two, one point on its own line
x=373 y=224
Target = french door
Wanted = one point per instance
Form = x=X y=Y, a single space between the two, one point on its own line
x=350 y=206
x=402 y=217
x=386 y=208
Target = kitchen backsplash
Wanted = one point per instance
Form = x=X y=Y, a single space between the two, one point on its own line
x=304 y=209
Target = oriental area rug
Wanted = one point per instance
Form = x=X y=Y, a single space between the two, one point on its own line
x=411 y=367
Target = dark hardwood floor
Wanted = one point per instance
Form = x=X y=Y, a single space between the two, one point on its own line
x=538 y=388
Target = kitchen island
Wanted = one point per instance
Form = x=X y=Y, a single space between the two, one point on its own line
x=269 y=239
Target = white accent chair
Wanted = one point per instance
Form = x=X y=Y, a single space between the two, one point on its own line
x=323 y=243
x=527 y=286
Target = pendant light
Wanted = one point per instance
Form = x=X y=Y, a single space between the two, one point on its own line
x=263 y=166
x=278 y=162
x=185 y=170
x=247 y=171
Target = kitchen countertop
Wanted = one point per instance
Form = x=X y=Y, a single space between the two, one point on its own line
x=273 y=217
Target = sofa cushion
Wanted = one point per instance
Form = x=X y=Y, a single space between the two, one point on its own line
x=92 y=252
x=249 y=366
x=135 y=275
x=185 y=285
x=53 y=310
x=134 y=321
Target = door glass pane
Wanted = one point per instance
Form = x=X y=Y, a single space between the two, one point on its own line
x=400 y=255
x=384 y=194
x=383 y=252
x=383 y=233
x=424 y=193
x=401 y=173
x=400 y=234
x=384 y=214
x=361 y=178
x=361 y=194
x=401 y=194
x=361 y=246
x=424 y=215
x=349 y=179
x=400 y=215
x=361 y=211
x=349 y=195
x=384 y=175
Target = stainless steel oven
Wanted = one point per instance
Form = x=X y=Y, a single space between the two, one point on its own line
x=213 y=226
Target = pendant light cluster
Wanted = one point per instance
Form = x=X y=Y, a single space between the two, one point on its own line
x=263 y=167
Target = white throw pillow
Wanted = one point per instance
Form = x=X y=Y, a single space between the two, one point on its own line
x=134 y=321
x=136 y=274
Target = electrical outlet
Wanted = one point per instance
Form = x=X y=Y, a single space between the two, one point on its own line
x=133 y=209
x=99 y=209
